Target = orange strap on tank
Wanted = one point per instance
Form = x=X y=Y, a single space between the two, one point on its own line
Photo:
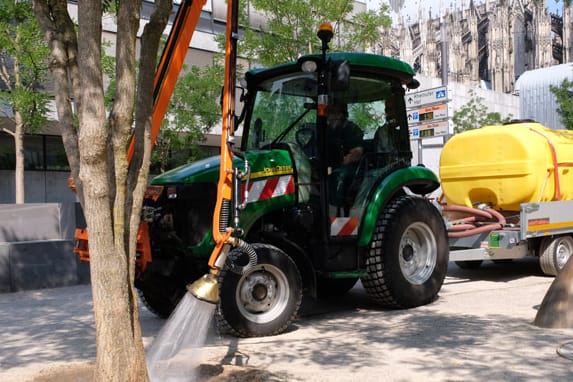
x=555 y=163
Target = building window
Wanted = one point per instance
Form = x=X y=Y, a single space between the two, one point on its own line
x=56 y=159
x=41 y=153
x=7 y=160
x=34 y=152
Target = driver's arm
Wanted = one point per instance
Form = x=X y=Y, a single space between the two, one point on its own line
x=354 y=155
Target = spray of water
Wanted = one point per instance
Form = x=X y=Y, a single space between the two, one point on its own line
x=174 y=354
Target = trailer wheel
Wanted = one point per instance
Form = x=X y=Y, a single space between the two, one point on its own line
x=554 y=253
x=263 y=301
x=409 y=254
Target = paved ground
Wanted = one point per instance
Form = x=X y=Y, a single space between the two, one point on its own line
x=478 y=330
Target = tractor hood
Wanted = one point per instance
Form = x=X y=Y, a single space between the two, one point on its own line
x=263 y=163
x=202 y=171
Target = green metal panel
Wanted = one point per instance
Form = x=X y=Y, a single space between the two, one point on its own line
x=403 y=177
x=366 y=60
x=202 y=171
x=266 y=167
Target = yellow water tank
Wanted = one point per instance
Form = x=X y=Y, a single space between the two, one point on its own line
x=507 y=165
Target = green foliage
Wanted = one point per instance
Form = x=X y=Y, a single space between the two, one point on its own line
x=291 y=28
x=108 y=68
x=194 y=110
x=290 y=31
x=23 y=55
x=474 y=115
x=564 y=95
x=364 y=115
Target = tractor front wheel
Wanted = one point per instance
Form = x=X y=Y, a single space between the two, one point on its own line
x=409 y=254
x=264 y=300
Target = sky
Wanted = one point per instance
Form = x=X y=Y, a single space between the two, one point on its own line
x=410 y=7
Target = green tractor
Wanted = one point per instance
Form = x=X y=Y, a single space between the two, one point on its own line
x=315 y=223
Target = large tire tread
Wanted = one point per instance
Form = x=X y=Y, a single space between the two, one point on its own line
x=241 y=329
x=383 y=283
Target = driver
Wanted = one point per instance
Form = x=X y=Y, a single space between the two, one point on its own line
x=345 y=149
x=345 y=144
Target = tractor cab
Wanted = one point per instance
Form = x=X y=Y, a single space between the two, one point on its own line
x=337 y=160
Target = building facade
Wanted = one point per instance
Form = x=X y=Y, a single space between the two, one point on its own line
x=488 y=44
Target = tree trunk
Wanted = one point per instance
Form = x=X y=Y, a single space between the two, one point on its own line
x=59 y=32
x=112 y=186
x=556 y=310
x=19 y=148
x=120 y=355
x=18 y=136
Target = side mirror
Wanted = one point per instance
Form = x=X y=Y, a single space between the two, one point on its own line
x=340 y=75
x=414 y=84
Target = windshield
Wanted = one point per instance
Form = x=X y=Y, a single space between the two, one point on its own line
x=286 y=104
x=281 y=106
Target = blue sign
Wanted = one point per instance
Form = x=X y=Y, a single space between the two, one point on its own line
x=441 y=94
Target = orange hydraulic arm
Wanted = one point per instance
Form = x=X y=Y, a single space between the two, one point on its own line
x=206 y=288
x=168 y=70
x=222 y=233
x=171 y=63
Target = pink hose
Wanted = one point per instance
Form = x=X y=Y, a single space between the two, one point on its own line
x=463 y=227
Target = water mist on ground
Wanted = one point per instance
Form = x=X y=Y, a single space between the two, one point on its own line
x=174 y=354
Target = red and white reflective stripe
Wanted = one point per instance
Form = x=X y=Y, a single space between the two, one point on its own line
x=343 y=226
x=270 y=188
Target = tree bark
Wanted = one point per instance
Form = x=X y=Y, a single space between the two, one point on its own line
x=111 y=186
x=19 y=151
x=556 y=310
x=59 y=32
x=18 y=136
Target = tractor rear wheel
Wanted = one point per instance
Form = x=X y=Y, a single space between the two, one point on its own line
x=264 y=300
x=160 y=296
x=409 y=254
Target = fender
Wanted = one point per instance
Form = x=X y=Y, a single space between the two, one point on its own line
x=420 y=180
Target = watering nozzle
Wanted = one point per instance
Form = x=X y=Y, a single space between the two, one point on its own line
x=206 y=288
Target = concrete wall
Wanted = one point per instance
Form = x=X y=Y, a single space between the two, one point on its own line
x=39 y=187
x=36 y=247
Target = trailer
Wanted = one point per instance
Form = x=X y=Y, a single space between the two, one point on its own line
x=508 y=194
x=545 y=230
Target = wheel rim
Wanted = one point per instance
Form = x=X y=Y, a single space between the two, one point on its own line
x=563 y=252
x=418 y=253
x=262 y=294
